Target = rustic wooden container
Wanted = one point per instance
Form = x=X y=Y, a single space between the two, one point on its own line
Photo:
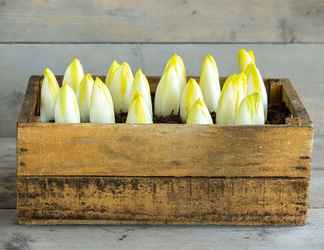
x=164 y=173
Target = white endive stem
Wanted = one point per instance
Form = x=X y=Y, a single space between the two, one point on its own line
x=138 y=111
x=245 y=58
x=251 y=111
x=191 y=93
x=256 y=84
x=86 y=86
x=66 y=106
x=167 y=94
x=199 y=114
x=121 y=86
x=110 y=72
x=142 y=86
x=233 y=92
x=101 y=105
x=177 y=62
x=209 y=83
x=73 y=75
x=49 y=92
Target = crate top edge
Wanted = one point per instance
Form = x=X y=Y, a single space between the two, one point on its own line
x=160 y=125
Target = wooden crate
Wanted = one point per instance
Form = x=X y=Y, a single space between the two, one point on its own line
x=164 y=173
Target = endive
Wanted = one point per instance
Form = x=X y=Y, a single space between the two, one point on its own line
x=245 y=58
x=74 y=74
x=233 y=92
x=138 y=111
x=191 y=93
x=101 y=105
x=256 y=84
x=251 y=111
x=111 y=72
x=177 y=62
x=85 y=93
x=142 y=86
x=209 y=83
x=66 y=106
x=199 y=114
x=121 y=86
x=167 y=94
x=49 y=92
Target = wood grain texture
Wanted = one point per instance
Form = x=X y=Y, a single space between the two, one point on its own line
x=8 y=174
x=8 y=184
x=163 y=150
x=162 y=21
x=317 y=188
x=166 y=200
x=31 y=100
x=276 y=61
x=145 y=237
x=294 y=104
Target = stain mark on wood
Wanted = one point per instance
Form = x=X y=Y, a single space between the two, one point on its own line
x=162 y=200
x=23 y=150
x=306 y=157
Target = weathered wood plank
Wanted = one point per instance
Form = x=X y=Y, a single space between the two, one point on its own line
x=162 y=21
x=8 y=186
x=132 y=150
x=294 y=104
x=277 y=61
x=28 y=108
x=8 y=174
x=161 y=200
x=167 y=237
x=317 y=189
x=318 y=158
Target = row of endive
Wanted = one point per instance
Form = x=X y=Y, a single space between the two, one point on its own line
x=242 y=100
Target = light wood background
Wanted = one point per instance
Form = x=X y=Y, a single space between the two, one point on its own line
x=288 y=39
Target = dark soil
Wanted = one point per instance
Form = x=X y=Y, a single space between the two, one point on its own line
x=174 y=119
x=121 y=117
x=277 y=114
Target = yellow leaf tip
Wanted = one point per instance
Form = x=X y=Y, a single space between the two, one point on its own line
x=47 y=72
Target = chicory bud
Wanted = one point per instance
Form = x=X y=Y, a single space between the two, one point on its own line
x=49 y=92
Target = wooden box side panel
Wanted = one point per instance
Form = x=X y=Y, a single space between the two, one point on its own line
x=162 y=200
x=163 y=150
x=31 y=101
x=292 y=100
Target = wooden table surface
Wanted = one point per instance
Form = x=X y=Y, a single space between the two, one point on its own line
x=13 y=236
